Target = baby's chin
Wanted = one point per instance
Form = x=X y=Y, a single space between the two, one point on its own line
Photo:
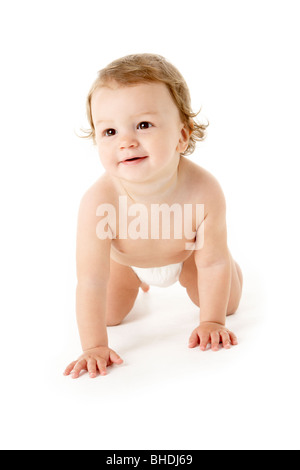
x=136 y=170
x=135 y=178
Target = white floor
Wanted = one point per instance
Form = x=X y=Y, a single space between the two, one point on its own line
x=164 y=396
x=239 y=62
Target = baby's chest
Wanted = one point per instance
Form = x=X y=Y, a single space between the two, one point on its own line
x=175 y=224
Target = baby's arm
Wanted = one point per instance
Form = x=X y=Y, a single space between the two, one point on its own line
x=213 y=263
x=93 y=270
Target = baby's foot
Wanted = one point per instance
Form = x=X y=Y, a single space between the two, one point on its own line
x=145 y=287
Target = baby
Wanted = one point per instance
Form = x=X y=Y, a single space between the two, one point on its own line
x=139 y=110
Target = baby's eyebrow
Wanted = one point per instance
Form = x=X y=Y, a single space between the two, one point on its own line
x=152 y=113
x=100 y=121
x=146 y=112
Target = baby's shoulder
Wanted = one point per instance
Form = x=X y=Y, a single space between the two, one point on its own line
x=204 y=184
x=101 y=192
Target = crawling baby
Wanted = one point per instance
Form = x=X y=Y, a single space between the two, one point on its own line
x=154 y=217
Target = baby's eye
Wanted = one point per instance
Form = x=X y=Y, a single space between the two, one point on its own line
x=144 y=125
x=109 y=132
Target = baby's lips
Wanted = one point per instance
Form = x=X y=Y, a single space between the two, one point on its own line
x=134 y=157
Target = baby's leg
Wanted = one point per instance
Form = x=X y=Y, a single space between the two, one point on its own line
x=122 y=291
x=236 y=288
x=189 y=280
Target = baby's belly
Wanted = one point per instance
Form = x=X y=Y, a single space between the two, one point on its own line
x=150 y=253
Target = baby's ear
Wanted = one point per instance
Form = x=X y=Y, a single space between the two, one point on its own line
x=185 y=134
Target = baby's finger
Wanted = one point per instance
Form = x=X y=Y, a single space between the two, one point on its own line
x=101 y=364
x=114 y=357
x=233 y=338
x=80 y=365
x=70 y=368
x=225 y=339
x=215 y=341
x=194 y=340
x=92 y=368
x=204 y=340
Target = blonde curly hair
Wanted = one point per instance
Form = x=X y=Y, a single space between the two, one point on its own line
x=139 y=68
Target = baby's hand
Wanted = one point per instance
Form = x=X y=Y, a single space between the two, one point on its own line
x=213 y=333
x=93 y=360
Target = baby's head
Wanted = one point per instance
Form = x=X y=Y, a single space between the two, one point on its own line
x=143 y=101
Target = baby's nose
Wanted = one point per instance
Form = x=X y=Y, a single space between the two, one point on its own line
x=128 y=141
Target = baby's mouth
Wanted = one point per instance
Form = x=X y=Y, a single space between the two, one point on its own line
x=133 y=159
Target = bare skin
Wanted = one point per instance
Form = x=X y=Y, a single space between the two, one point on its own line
x=107 y=285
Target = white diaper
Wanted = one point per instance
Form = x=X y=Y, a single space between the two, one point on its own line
x=163 y=276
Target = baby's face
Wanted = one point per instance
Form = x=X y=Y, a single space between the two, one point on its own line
x=137 y=121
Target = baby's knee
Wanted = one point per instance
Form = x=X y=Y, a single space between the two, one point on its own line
x=231 y=311
x=240 y=275
x=233 y=306
x=113 y=321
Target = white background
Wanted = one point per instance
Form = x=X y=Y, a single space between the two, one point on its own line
x=241 y=62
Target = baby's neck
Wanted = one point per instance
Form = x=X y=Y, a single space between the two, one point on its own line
x=161 y=190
